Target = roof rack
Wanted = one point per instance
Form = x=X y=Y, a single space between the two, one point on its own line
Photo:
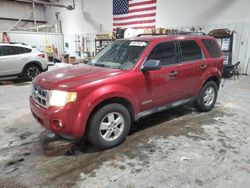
x=187 y=33
x=14 y=43
x=176 y=33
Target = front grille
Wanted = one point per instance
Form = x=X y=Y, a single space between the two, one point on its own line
x=40 y=95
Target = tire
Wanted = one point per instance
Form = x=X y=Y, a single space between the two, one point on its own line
x=31 y=71
x=207 y=97
x=109 y=126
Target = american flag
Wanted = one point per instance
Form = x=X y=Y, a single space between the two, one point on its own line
x=135 y=14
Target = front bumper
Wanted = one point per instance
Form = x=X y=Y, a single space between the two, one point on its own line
x=61 y=120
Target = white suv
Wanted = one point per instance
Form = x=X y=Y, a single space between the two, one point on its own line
x=17 y=59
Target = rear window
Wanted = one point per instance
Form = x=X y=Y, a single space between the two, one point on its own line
x=190 y=50
x=212 y=47
x=14 y=50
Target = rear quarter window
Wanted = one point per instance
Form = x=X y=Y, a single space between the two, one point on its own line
x=25 y=50
x=212 y=47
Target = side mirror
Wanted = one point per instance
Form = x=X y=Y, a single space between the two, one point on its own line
x=151 y=65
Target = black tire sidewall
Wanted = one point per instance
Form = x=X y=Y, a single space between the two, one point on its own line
x=26 y=69
x=95 y=121
x=200 y=104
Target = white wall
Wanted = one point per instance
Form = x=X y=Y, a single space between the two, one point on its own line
x=9 y=9
x=88 y=18
x=94 y=16
x=201 y=12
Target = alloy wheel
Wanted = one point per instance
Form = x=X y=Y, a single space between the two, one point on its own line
x=209 y=96
x=32 y=72
x=112 y=126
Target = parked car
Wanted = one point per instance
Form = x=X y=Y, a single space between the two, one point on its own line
x=17 y=59
x=128 y=80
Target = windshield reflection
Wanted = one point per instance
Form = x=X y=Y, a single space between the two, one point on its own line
x=121 y=54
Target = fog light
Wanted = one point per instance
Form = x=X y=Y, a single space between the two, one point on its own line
x=58 y=124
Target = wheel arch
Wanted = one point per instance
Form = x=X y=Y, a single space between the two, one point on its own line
x=37 y=63
x=120 y=100
x=215 y=79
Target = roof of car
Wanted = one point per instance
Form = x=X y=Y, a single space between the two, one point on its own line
x=161 y=37
x=15 y=44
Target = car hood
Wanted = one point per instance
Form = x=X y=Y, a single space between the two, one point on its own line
x=71 y=76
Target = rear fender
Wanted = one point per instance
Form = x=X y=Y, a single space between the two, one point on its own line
x=212 y=72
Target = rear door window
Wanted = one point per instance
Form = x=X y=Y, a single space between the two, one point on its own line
x=190 y=50
x=165 y=52
x=212 y=47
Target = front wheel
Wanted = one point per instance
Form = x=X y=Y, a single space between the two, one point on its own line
x=207 y=97
x=109 y=126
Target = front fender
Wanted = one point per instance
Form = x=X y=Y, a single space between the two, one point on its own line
x=101 y=94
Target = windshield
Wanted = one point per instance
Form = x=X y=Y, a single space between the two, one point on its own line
x=121 y=54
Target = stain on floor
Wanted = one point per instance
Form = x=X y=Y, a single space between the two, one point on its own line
x=176 y=148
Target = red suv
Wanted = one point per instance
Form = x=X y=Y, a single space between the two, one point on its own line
x=128 y=80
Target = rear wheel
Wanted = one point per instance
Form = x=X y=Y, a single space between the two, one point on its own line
x=109 y=126
x=207 y=97
x=31 y=71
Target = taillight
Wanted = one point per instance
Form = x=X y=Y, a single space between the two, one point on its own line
x=41 y=55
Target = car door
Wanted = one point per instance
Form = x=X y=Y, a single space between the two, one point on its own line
x=11 y=61
x=1 y=66
x=157 y=88
x=189 y=71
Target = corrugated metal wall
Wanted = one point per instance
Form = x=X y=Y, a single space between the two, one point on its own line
x=39 y=40
x=85 y=40
x=241 y=46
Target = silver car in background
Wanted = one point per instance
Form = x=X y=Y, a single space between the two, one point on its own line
x=18 y=59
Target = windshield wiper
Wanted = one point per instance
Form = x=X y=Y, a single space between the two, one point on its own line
x=101 y=65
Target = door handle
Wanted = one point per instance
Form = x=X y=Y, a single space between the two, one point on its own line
x=203 y=67
x=173 y=73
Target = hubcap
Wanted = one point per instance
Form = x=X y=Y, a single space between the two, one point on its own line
x=209 y=96
x=112 y=126
x=32 y=72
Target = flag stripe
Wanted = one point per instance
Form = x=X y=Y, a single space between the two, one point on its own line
x=140 y=27
x=142 y=9
x=134 y=16
x=141 y=3
x=145 y=27
x=134 y=13
x=134 y=22
x=137 y=1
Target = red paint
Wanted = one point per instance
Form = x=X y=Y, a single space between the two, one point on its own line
x=95 y=85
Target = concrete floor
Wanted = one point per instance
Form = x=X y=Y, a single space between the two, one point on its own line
x=176 y=148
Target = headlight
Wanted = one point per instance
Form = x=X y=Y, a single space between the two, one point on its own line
x=60 y=98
